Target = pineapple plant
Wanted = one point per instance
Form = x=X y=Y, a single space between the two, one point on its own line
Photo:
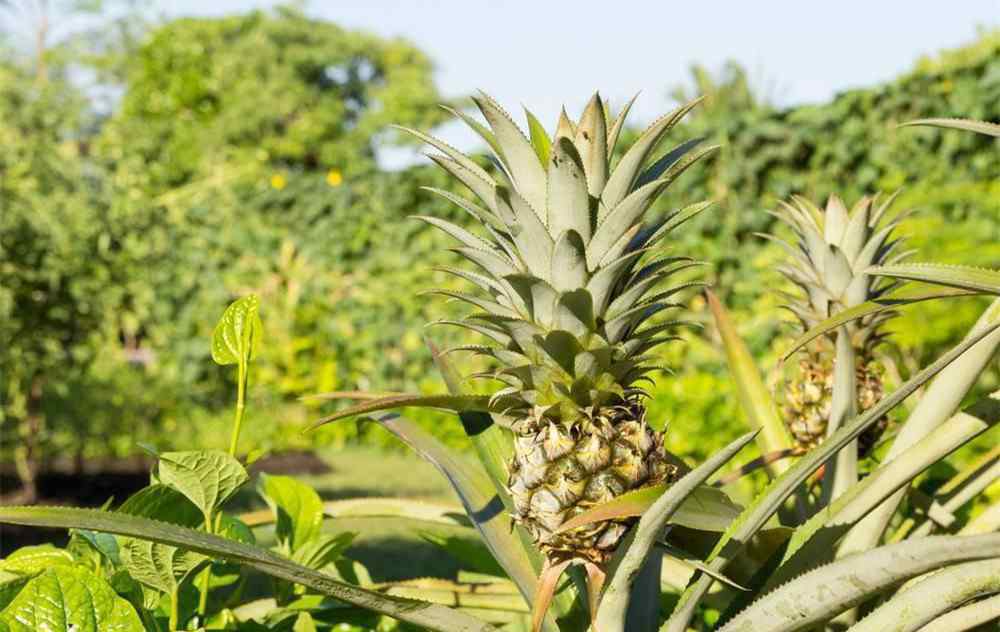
x=833 y=248
x=570 y=275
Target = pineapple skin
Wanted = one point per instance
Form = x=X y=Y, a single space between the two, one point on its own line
x=809 y=398
x=559 y=471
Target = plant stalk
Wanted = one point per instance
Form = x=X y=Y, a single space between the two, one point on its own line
x=240 y=406
x=174 y=609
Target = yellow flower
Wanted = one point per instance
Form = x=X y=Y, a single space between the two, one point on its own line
x=278 y=181
x=334 y=178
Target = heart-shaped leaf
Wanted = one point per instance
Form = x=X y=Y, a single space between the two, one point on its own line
x=297 y=508
x=206 y=477
x=237 y=336
x=69 y=599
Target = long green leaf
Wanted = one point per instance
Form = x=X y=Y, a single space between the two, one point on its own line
x=635 y=550
x=967 y=125
x=431 y=616
x=765 y=506
x=825 y=592
x=755 y=399
x=967 y=278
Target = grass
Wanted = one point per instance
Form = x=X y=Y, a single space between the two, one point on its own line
x=390 y=549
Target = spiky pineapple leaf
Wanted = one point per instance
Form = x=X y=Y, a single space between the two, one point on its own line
x=754 y=396
x=494 y=444
x=539 y=137
x=969 y=278
x=822 y=594
x=868 y=308
x=968 y=616
x=518 y=155
x=632 y=554
x=816 y=540
x=968 y=125
x=454 y=403
x=621 y=181
x=914 y=607
x=706 y=508
x=756 y=515
x=940 y=401
x=480 y=500
x=423 y=614
x=567 y=200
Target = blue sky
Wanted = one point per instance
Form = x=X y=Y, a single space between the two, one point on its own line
x=544 y=52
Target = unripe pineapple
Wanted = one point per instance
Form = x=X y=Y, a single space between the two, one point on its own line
x=833 y=249
x=570 y=274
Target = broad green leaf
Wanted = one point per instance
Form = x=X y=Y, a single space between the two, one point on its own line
x=827 y=591
x=322 y=550
x=869 y=308
x=206 y=477
x=968 y=125
x=29 y=560
x=455 y=403
x=304 y=623
x=967 y=278
x=237 y=336
x=755 y=516
x=633 y=552
x=297 y=507
x=70 y=599
x=430 y=616
x=914 y=607
x=705 y=508
x=755 y=398
x=10 y=585
x=159 y=566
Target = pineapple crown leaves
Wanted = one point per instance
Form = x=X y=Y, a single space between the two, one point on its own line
x=834 y=249
x=562 y=248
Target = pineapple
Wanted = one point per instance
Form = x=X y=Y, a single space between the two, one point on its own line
x=570 y=275
x=834 y=246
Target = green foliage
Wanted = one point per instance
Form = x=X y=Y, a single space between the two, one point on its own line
x=70 y=599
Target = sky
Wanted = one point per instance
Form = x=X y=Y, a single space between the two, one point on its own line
x=544 y=53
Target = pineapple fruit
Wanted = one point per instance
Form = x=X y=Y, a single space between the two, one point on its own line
x=570 y=276
x=834 y=246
